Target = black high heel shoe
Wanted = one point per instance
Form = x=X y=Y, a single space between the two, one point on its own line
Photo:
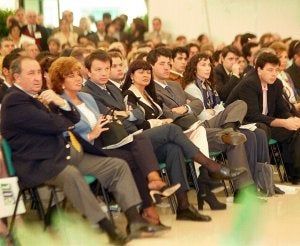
x=205 y=195
x=166 y=191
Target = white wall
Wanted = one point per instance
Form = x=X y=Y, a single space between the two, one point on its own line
x=223 y=19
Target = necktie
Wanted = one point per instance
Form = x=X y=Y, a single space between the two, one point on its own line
x=31 y=30
x=172 y=94
x=75 y=143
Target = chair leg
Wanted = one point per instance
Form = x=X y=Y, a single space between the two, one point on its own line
x=172 y=198
x=191 y=166
x=276 y=156
x=106 y=200
x=38 y=203
x=230 y=181
x=15 y=212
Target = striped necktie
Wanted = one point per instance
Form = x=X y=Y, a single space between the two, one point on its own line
x=172 y=94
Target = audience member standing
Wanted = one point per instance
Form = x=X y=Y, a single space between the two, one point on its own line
x=39 y=33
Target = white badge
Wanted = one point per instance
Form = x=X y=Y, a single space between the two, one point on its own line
x=37 y=35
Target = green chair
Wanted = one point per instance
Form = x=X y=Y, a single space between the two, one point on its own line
x=90 y=179
x=192 y=170
x=165 y=178
x=277 y=158
x=214 y=155
x=35 y=198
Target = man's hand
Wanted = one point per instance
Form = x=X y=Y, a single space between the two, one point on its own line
x=292 y=123
x=123 y=114
x=211 y=112
x=49 y=96
x=166 y=121
x=179 y=110
x=235 y=69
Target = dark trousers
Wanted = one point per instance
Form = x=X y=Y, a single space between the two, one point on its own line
x=141 y=159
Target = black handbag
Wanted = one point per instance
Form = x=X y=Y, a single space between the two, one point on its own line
x=115 y=133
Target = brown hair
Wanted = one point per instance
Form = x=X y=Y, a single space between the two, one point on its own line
x=61 y=68
x=278 y=47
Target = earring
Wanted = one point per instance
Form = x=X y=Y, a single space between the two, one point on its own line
x=63 y=87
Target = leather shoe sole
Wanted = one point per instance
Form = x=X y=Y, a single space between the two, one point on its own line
x=231 y=136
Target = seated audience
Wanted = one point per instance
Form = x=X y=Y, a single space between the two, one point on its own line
x=21 y=110
x=262 y=92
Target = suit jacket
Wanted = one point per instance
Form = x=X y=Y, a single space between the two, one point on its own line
x=168 y=102
x=94 y=38
x=106 y=101
x=225 y=83
x=41 y=41
x=152 y=111
x=3 y=91
x=82 y=127
x=35 y=135
x=294 y=72
x=250 y=91
x=164 y=37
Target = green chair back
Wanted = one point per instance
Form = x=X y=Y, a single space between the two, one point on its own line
x=6 y=151
x=272 y=141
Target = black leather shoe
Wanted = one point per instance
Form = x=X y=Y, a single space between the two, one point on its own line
x=231 y=136
x=142 y=229
x=227 y=173
x=278 y=190
x=118 y=238
x=191 y=214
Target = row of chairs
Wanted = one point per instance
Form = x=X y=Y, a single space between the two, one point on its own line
x=275 y=155
x=36 y=201
x=34 y=194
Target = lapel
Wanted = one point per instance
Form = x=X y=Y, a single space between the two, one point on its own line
x=137 y=93
x=101 y=95
x=162 y=91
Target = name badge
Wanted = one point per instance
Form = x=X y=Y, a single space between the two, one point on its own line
x=37 y=35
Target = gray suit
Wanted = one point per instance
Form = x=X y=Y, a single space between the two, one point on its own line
x=114 y=100
x=235 y=112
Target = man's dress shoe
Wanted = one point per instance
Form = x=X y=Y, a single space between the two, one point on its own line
x=191 y=214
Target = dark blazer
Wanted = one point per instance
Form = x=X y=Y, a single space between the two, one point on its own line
x=35 y=135
x=250 y=91
x=3 y=91
x=294 y=72
x=106 y=101
x=152 y=112
x=225 y=83
x=94 y=38
x=42 y=41
x=168 y=102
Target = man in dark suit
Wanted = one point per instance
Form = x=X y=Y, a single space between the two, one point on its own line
x=36 y=127
x=163 y=138
x=8 y=80
x=227 y=74
x=177 y=103
x=294 y=69
x=38 y=32
x=100 y=35
x=262 y=92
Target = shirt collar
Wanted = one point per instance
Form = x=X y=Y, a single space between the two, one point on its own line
x=19 y=87
x=162 y=84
